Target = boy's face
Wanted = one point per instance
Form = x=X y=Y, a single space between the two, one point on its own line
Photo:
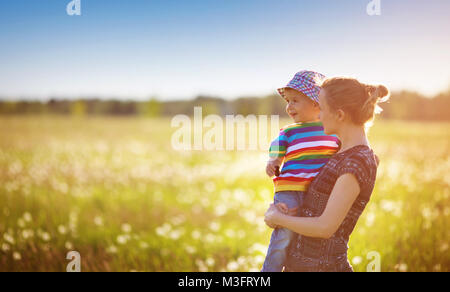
x=300 y=107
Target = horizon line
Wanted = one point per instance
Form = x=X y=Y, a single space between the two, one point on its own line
x=174 y=99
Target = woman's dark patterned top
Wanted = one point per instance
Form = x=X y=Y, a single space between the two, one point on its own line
x=316 y=254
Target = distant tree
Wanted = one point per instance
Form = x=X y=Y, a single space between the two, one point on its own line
x=272 y=105
x=442 y=105
x=246 y=106
x=59 y=106
x=8 y=107
x=151 y=108
x=78 y=108
x=209 y=105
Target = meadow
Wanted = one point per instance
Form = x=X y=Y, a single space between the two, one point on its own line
x=114 y=190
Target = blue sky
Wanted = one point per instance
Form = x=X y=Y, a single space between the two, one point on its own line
x=229 y=48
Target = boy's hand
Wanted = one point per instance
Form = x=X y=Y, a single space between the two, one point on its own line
x=285 y=210
x=272 y=166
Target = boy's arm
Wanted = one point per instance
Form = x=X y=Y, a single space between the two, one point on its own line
x=272 y=165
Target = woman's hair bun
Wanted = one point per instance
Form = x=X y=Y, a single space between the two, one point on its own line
x=377 y=93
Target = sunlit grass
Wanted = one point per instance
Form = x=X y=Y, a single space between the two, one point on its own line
x=115 y=191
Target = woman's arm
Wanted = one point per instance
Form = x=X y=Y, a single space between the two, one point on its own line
x=344 y=194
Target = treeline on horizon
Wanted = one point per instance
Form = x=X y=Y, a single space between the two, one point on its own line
x=403 y=105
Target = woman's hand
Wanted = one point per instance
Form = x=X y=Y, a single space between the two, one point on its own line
x=270 y=216
x=274 y=213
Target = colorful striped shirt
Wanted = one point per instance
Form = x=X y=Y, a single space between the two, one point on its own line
x=305 y=149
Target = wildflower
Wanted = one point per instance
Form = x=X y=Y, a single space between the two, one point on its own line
x=27 y=233
x=5 y=247
x=17 y=256
x=205 y=202
x=220 y=210
x=241 y=261
x=98 y=221
x=62 y=229
x=214 y=226
x=178 y=220
x=232 y=266
x=143 y=245
x=73 y=222
x=21 y=223
x=210 y=262
x=210 y=187
x=126 y=228
x=176 y=234
x=68 y=245
x=210 y=238
x=370 y=219
x=8 y=238
x=259 y=260
x=403 y=267
x=122 y=239
x=164 y=230
x=15 y=168
x=392 y=207
x=73 y=217
x=241 y=234
x=258 y=248
x=196 y=234
x=249 y=216
x=201 y=266
x=27 y=217
x=429 y=214
x=230 y=233
x=357 y=260
x=112 y=249
x=190 y=249
x=45 y=236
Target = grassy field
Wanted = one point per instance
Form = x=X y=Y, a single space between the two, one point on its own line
x=115 y=191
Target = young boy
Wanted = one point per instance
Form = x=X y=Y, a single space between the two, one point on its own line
x=304 y=149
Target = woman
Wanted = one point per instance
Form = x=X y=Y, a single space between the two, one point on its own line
x=339 y=194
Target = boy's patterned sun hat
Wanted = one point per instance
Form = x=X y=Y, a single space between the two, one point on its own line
x=307 y=82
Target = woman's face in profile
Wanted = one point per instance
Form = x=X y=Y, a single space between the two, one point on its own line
x=327 y=117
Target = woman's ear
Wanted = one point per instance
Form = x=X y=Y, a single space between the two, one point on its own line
x=340 y=115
